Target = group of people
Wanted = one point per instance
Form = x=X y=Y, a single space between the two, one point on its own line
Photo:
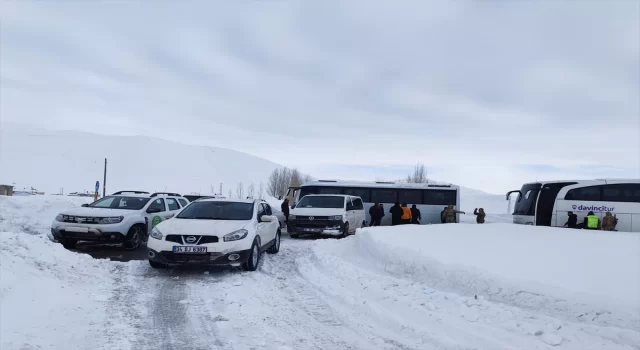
x=401 y=214
x=592 y=221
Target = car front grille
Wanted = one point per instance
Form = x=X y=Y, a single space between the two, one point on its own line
x=80 y=219
x=182 y=239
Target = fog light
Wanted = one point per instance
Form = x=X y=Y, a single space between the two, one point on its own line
x=234 y=257
x=152 y=254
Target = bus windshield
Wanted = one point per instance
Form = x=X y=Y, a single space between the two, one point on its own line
x=526 y=202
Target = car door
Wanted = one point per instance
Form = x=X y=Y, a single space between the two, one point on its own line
x=272 y=227
x=359 y=213
x=173 y=207
x=350 y=214
x=261 y=226
x=156 y=212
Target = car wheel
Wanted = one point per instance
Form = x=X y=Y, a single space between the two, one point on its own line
x=157 y=265
x=134 y=238
x=254 y=257
x=69 y=243
x=275 y=248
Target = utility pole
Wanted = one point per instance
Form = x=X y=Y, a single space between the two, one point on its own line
x=104 y=180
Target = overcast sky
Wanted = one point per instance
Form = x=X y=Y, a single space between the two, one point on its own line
x=487 y=94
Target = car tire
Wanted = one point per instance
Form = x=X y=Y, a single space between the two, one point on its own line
x=254 y=257
x=134 y=237
x=364 y=224
x=69 y=243
x=275 y=248
x=157 y=265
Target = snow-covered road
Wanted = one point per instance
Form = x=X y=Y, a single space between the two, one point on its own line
x=438 y=287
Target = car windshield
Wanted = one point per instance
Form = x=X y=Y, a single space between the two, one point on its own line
x=217 y=211
x=321 y=202
x=119 y=202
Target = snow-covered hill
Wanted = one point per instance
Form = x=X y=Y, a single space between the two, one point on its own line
x=49 y=160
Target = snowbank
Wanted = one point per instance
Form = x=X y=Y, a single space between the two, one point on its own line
x=560 y=270
x=34 y=214
x=50 y=298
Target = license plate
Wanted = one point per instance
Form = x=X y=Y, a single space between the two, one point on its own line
x=311 y=229
x=77 y=229
x=195 y=250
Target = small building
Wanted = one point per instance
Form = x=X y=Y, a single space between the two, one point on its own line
x=6 y=190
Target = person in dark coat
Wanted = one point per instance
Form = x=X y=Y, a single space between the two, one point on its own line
x=572 y=222
x=285 y=209
x=480 y=215
x=396 y=214
x=374 y=212
x=415 y=215
x=442 y=217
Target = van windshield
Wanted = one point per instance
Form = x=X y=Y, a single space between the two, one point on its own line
x=321 y=202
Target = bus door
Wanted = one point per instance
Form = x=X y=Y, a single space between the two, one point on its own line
x=547 y=201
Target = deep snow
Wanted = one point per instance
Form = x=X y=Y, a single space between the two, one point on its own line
x=461 y=286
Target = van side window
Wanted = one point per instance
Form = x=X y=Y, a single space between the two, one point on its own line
x=350 y=205
x=357 y=204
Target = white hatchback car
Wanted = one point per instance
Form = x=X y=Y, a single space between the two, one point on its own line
x=216 y=232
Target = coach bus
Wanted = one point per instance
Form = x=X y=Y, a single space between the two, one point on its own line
x=431 y=199
x=547 y=203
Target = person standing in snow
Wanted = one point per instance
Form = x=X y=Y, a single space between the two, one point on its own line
x=396 y=214
x=374 y=212
x=609 y=222
x=415 y=215
x=285 y=210
x=572 y=222
x=406 y=214
x=480 y=215
x=591 y=221
x=450 y=214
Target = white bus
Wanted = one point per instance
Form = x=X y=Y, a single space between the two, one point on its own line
x=431 y=199
x=547 y=203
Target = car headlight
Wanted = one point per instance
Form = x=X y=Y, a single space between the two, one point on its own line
x=112 y=220
x=336 y=217
x=235 y=235
x=60 y=217
x=155 y=233
x=292 y=217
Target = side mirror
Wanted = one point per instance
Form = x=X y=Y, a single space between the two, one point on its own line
x=153 y=210
x=293 y=205
x=85 y=205
x=268 y=218
x=279 y=198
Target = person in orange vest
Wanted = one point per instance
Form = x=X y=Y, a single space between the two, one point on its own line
x=406 y=214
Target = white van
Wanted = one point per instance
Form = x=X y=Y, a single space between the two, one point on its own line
x=329 y=214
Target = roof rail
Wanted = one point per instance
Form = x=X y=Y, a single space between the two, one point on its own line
x=385 y=182
x=439 y=185
x=327 y=181
x=136 y=192
x=167 y=193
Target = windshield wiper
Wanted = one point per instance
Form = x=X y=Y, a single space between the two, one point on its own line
x=207 y=218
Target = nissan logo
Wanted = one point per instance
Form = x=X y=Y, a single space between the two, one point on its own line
x=311 y=218
x=190 y=239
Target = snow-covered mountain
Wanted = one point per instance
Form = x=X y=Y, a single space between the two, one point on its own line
x=49 y=160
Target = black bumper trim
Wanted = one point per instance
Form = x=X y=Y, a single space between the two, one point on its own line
x=212 y=258
x=61 y=235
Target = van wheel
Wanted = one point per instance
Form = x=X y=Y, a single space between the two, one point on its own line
x=134 y=238
x=345 y=230
x=254 y=257
x=364 y=224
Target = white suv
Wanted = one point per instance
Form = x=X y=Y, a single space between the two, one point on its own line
x=124 y=217
x=329 y=214
x=216 y=232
